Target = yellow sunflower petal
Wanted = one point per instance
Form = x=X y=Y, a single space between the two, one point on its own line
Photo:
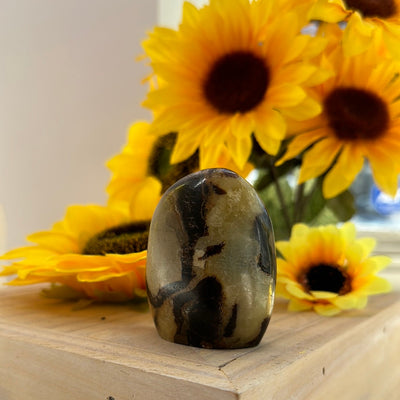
x=165 y=121
x=28 y=281
x=298 y=46
x=295 y=290
x=343 y=173
x=55 y=241
x=375 y=285
x=299 y=231
x=354 y=254
x=298 y=144
x=129 y=258
x=71 y=263
x=285 y=271
x=9 y=270
x=241 y=125
x=240 y=149
x=391 y=34
x=384 y=171
x=99 y=276
x=145 y=200
x=225 y=161
x=320 y=295
x=368 y=244
x=138 y=131
x=131 y=165
x=328 y=11
x=274 y=127
x=280 y=290
x=29 y=271
x=327 y=310
x=27 y=251
x=184 y=148
x=299 y=305
x=209 y=155
x=307 y=109
x=348 y=231
x=287 y=95
x=284 y=279
x=375 y=264
x=80 y=219
x=357 y=251
x=72 y=268
x=124 y=163
x=350 y=301
x=284 y=248
x=357 y=36
x=189 y=14
x=318 y=159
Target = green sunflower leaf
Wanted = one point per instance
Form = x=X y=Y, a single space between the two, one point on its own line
x=269 y=196
x=62 y=292
x=313 y=202
x=342 y=206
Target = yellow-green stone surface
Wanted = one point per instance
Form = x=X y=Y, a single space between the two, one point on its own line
x=211 y=266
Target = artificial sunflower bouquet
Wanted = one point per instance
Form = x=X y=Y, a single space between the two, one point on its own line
x=295 y=96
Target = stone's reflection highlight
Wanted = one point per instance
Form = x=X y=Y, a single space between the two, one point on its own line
x=211 y=266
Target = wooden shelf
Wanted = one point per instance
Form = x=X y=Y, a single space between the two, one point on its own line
x=48 y=350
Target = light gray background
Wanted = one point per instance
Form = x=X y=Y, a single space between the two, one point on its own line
x=69 y=89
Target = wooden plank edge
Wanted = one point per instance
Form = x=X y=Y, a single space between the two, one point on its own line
x=28 y=354
x=332 y=365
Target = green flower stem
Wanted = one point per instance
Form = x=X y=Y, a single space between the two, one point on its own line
x=281 y=197
x=310 y=202
x=299 y=204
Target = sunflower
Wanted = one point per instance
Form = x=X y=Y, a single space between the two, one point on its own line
x=229 y=71
x=360 y=120
x=131 y=180
x=100 y=252
x=143 y=166
x=364 y=19
x=328 y=270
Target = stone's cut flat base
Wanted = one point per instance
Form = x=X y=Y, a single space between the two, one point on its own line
x=50 y=351
x=211 y=266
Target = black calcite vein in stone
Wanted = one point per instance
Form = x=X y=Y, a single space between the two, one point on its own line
x=198 y=314
x=191 y=209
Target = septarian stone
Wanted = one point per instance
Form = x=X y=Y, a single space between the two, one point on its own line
x=211 y=266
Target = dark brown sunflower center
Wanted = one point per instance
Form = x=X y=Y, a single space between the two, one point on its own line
x=326 y=278
x=237 y=82
x=122 y=239
x=355 y=114
x=159 y=162
x=373 y=8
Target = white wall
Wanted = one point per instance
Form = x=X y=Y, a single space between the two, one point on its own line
x=170 y=11
x=2 y=230
x=69 y=88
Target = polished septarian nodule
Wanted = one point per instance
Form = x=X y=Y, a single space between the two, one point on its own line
x=211 y=266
